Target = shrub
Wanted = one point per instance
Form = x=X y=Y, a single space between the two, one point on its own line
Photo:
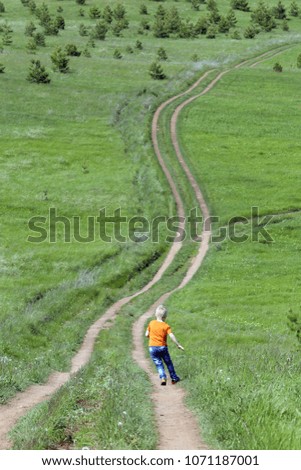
x=223 y=25
x=129 y=50
x=143 y=10
x=81 y=2
x=51 y=28
x=285 y=26
x=86 y=52
x=294 y=9
x=277 y=67
x=39 y=39
x=250 y=32
x=144 y=25
x=232 y=20
x=2 y=9
x=279 y=11
x=37 y=73
x=139 y=45
x=60 y=22
x=195 y=58
x=162 y=55
x=201 y=26
x=195 y=4
x=186 y=30
x=211 y=32
x=2 y=68
x=235 y=35
x=60 y=60
x=30 y=28
x=263 y=16
x=32 y=6
x=31 y=45
x=156 y=71
x=173 y=21
x=83 y=30
x=119 y=12
x=94 y=13
x=299 y=61
x=117 y=54
x=72 y=50
x=107 y=14
x=42 y=13
x=240 y=5
x=6 y=31
x=100 y=31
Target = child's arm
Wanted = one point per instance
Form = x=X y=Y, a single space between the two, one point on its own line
x=147 y=333
x=174 y=339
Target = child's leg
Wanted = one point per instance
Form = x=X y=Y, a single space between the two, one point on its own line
x=156 y=356
x=170 y=366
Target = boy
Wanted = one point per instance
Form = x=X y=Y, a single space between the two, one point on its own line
x=157 y=332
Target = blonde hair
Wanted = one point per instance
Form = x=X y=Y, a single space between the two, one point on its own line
x=161 y=312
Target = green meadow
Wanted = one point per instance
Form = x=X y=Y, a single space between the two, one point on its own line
x=82 y=143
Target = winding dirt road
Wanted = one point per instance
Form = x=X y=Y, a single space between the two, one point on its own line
x=178 y=430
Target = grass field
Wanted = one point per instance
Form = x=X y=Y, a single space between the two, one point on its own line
x=82 y=143
x=242 y=365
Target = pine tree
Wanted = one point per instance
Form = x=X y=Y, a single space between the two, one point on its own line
x=42 y=13
x=100 y=30
x=294 y=9
x=117 y=54
x=173 y=21
x=279 y=11
x=94 y=12
x=37 y=73
x=211 y=32
x=39 y=39
x=201 y=26
x=159 y=26
x=162 y=55
x=30 y=28
x=2 y=8
x=263 y=16
x=232 y=20
x=143 y=10
x=223 y=26
x=2 y=68
x=119 y=12
x=7 y=38
x=60 y=60
x=107 y=14
x=195 y=4
x=250 y=32
x=240 y=5
x=277 y=67
x=31 y=45
x=156 y=71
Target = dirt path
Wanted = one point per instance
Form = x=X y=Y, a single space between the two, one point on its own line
x=177 y=426
x=188 y=437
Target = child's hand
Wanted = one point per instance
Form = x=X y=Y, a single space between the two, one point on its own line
x=181 y=347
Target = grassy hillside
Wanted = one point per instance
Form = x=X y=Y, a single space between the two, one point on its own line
x=82 y=143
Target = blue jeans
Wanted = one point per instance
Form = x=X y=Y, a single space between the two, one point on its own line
x=160 y=354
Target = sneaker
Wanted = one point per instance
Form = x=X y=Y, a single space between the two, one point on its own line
x=174 y=381
x=163 y=381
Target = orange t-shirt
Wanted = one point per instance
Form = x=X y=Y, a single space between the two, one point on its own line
x=158 y=331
